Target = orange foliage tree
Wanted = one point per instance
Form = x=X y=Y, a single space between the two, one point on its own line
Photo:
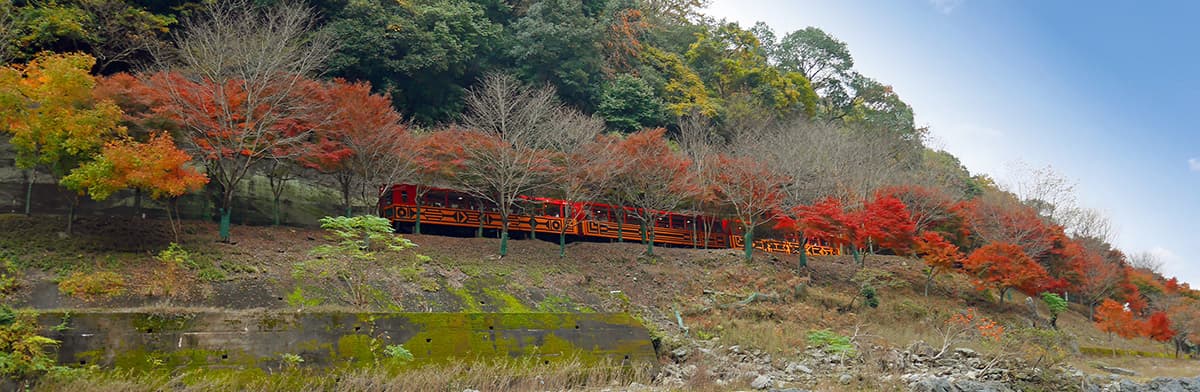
x=1098 y=278
x=939 y=255
x=55 y=122
x=1113 y=318
x=439 y=156
x=156 y=166
x=363 y=146
x=1004 y=266
x=234 y=124
x=752 y=189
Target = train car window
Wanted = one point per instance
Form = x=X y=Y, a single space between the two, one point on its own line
x=404 y=196
x=663 y=221
x=457 y=201
x=679 y=222
x=718 y=226
x=602 y=214
x=436 y=198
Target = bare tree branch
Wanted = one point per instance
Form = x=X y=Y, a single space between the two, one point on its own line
x=237 y=73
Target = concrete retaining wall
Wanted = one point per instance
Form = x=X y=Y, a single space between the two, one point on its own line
x=245 y=339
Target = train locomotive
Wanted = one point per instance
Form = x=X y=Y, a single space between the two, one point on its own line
x=588 y=221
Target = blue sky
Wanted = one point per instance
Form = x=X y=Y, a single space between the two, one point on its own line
x=1104 y=92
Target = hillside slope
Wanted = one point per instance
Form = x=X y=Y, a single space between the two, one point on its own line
x=766 y=308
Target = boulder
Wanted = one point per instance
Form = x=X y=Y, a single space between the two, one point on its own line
x=761 y=382
x=680 y=354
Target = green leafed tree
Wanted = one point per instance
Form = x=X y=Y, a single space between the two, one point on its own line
x=48 y=108
x=733 y=64
x=557 y=41
x=628 y=104
x=422 y=53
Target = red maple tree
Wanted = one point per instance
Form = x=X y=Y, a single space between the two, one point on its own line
x=752 y=189
x=363 y=145
x=654 y=179
x=1004 y=266
x=888 y=223
x=1158 y=327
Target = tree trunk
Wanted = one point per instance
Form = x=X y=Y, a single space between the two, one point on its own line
x=137 y=201
x=503 y=234
x=803 y=253
x=928 y=280
x=694 y=245
x=707 y=232
x=562 y=232
x=345 y=185
x=226 y=212
x=532 y=226
x=173 y=217
x=748 y=241
x=649 y=233
x=275 y=208
x=417 y=225
x=643 y=229
x=71 y=212
x=29 y=191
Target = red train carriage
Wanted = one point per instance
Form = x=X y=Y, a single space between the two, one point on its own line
x=445 y=207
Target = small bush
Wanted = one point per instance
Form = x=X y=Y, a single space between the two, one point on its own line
x=177 y=256
x=289 y=360
x=831 y=342
x=21 y=348
x=10 y=279
x=90 y=286
x=397 y=353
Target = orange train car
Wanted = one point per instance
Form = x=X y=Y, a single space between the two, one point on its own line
x=586 y=220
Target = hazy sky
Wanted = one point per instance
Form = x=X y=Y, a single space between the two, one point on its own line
x=1103 y=91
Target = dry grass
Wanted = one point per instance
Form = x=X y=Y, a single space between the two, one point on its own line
x=514 y=375
x=1146 y=368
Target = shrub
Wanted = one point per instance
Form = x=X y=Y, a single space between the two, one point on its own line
x=831 y=342
x=397 y=353
x=21 y=348
x=90 y=286
x=347 y=264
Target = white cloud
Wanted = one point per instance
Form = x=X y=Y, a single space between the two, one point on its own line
x=1164 y=254
x=1194 y=164
x=945 y=6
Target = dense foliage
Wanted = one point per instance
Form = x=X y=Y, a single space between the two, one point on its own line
x=636 y=102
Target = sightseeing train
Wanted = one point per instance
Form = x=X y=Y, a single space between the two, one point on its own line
x=587 y=221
